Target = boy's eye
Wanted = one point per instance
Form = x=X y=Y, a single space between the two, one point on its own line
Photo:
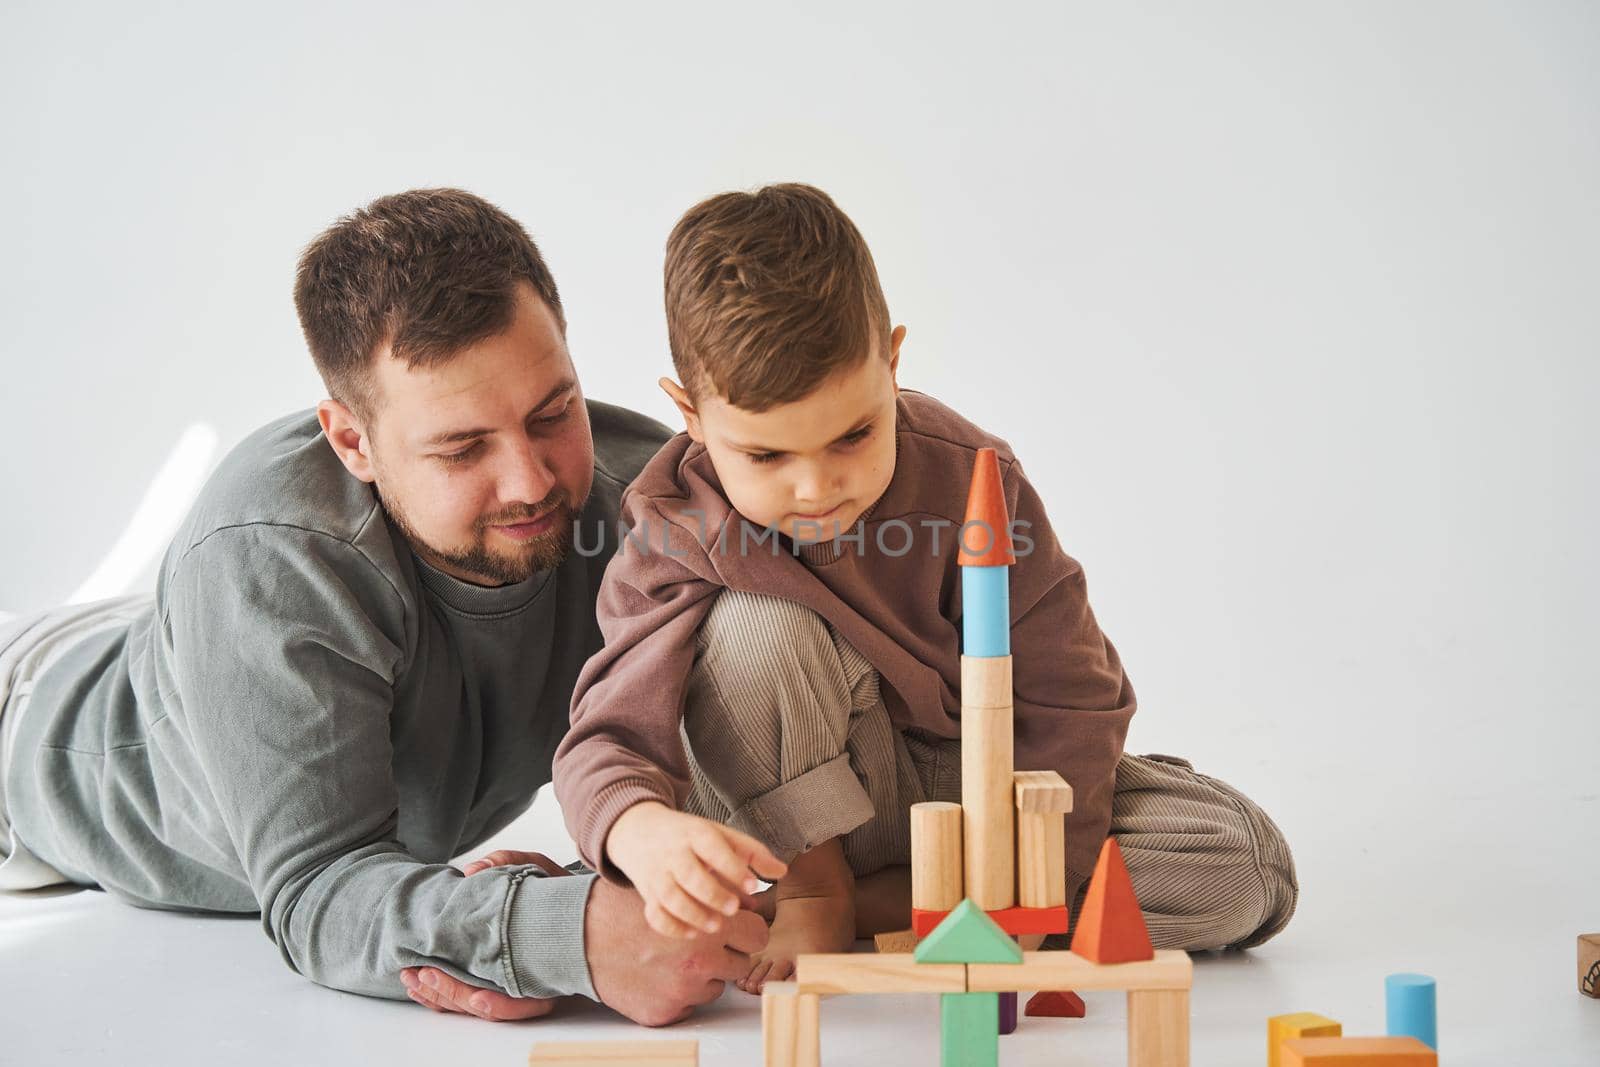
x=765 y=457
x=558 y=416
x=459 y=457
x=857 y=437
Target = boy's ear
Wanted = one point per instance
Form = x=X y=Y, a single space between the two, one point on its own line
x=895 y=339
x=685 y=403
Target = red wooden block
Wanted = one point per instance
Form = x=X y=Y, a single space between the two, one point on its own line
x=1052 y=1005
x=1013 y=921
x=1111 y=925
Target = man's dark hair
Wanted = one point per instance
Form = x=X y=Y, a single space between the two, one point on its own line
x=425 y=272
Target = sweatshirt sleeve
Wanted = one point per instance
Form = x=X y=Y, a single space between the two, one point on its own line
x=1073 y=701
x=287 y=643
x=624 y=744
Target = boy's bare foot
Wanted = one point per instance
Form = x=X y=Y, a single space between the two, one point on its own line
x=815 y=912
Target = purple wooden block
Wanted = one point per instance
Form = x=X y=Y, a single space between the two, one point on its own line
x=1008 y=1013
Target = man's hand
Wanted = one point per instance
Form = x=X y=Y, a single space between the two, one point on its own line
x=433 y=988
x=656 y=980
x=692 y=873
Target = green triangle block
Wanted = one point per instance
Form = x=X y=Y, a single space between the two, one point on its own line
x=969 y=1030
x=967 y=935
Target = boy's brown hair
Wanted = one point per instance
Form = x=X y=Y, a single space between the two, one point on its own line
x=428 y=272
x=768 y=293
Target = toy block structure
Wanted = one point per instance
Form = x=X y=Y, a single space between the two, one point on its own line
x=993 y=868
x=1357 y=1052
x=1411 y=1003
x=1589 y=965
x=896 y=941
x=1281 y=1028
x=615 y=1054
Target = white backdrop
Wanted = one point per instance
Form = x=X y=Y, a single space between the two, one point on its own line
x=1290 y=309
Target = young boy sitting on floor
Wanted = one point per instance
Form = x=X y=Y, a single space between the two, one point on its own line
x=808 y=475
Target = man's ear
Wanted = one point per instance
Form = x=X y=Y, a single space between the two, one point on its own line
x=685 y=403
x=347 y=436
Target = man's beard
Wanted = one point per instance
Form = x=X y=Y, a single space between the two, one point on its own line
x=519 y=562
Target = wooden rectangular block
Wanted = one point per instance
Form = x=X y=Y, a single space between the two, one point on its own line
x=896 y=941
x=936 y=882
x=969 y=1030
x=988 y=827
x=1041 y=859
x=1042 y=791
x=1358 y=1052
x=1171 y=969
x=615 y=1054
x=1158 y=1028
x=1281 y=1028
x=1589 y=965
x=1014 y=921
x=883 y=972
x=791 y=1031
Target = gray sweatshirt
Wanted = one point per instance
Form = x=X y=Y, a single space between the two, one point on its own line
x=311 y=721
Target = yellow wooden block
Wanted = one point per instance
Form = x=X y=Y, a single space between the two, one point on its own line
x=936 y=883
x=1158 y=1028
x=790 y=1027
x=1041 y=859
x=1358 y=1052
x=883 y=972
x=1170 y=969
x=615 y=1054
x=896 y=941
x=1042 y=791
x=1281 y=1028
x=988 y=829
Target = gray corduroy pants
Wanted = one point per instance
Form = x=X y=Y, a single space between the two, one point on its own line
x=790 y=742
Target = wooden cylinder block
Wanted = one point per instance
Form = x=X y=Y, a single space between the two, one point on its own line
x=987 y=792
x=936 y=883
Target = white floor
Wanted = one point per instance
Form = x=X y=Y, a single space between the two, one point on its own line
x=85 y=979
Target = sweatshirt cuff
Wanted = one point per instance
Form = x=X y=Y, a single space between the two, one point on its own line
x=607 y=806
x=542 y=931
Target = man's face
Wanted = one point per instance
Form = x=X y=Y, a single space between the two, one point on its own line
x=809 y=468
x=485 y=462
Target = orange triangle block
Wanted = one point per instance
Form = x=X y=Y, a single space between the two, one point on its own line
x=986 y=533
x=1111 y=926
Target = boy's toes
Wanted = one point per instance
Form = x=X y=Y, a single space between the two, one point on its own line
x=781 y=971
x=757 y=976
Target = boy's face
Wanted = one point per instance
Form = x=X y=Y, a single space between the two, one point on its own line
x=811 y=467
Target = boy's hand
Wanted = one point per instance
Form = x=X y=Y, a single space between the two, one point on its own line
x=691 y=872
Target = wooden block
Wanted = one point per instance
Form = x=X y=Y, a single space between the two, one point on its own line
x=615 y=1054
x=1056 y=1005
x=1281 y=1028
x=1111 y=925
x=896 y=941
x=1357 y=1052
x=966 y=936
x=987 y=543
x=936 y=882
x=1008 y=1014
x=985 y=683
x=1158 y=1028
x=790 y=1028
x=866 y=972
x=1044 y=792
x=1014 y=921
x=1041 y=859
x=1589 y=965
x=988 y=813
x=969 y=1030
x=1170 y=969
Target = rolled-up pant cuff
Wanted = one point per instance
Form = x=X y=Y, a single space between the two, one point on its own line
x=825 y=802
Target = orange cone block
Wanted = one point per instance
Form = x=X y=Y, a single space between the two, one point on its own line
x=986 y=534
x=1111 y=926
